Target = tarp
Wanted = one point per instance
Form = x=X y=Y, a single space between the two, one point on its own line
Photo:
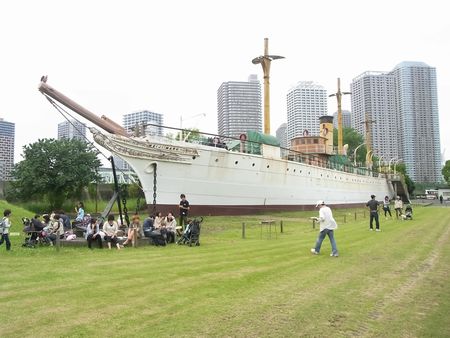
x=254 y=138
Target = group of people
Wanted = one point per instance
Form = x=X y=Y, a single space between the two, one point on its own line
x=328 y=223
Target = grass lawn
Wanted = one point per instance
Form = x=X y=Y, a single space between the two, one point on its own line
x=393 y=283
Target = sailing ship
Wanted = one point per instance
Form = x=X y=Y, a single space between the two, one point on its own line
x=242 y=175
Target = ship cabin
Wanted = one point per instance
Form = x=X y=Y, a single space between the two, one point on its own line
x=315 y=149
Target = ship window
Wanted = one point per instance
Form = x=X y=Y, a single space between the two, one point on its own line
x=268 y=166
x=253 y=164
x=193 y=157
x=236 y=162
x=309 y=173
x=287 y=169
x=294 y=170
x=217 y=160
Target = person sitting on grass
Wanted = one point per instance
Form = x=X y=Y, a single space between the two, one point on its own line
x=110 y=229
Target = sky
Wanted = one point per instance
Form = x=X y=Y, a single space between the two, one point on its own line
x=117 y=57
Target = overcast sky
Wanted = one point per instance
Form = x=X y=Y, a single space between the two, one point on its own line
x=115 y=57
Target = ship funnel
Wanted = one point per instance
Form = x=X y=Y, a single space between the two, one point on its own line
x=326 y=130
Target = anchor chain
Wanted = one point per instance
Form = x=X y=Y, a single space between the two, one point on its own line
x=154 y=188
x=124 y=202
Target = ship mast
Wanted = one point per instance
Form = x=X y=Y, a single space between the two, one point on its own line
x=338 y=95
x=369 y=153
x=265 y=61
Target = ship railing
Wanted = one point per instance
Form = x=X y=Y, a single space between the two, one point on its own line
x=241 y=145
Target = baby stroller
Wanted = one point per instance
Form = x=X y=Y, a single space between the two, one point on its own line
x=191 y=234
x=408 y=213
x=33 y=236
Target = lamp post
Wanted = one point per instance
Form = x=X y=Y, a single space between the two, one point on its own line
x=188 y=118
x=379 y=163
x=354 y=152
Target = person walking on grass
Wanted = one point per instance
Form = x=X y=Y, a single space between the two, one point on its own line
x=327 y=227
x=5 y=224
x=373 y=209
x=184 y=210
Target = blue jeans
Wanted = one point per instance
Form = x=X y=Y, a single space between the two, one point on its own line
x=5 y=238
x=322 y=236
x=374 y=216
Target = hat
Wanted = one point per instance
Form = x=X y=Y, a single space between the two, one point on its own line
x=372 y=196
x=320 y=202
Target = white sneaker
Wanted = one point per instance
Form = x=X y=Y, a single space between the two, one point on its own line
x=371 y=229
x=377 y=230
x=314 y=252
x=334 y=255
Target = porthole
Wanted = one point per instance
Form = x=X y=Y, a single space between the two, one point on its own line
x=236 y=162
x=268 y=166
x=193 y=157
x=253 y=164
x=217 y=160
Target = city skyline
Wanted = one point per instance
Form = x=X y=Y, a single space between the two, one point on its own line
x=148 y=56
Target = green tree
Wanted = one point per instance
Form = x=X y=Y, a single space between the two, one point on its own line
x=54 y=169
x=353 y=139
x=401 y=168
x=446 y=172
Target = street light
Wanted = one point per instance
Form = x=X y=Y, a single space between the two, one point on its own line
x=354 y=152
x=389 y=165
x=188 y=118
x=379 y=163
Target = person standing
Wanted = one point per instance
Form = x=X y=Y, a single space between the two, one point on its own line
x=184 y=210
x=4 y=227
x=387 y=207
x=327 y=227
x=373 y=209
x=398 y=206
x=441 y=199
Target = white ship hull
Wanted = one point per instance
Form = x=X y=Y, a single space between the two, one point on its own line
x=219 y=181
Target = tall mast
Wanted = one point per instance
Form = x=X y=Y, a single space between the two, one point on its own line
x=338 y=95
x=265 y=61
x=369 y=153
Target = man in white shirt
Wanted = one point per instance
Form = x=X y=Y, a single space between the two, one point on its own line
x=327 y=227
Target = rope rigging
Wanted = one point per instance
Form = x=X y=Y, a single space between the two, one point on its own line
x=124 y=194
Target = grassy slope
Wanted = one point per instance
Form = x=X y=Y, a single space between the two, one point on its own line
x=394 y=283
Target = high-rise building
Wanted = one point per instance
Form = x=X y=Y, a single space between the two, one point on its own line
x=417 y=107
x=373 y=98
x=7 y=134
x=130 y=121
x=239 y=107
x=281 y=135
x=346 y=119
x=306 y=102
x=72 y=129
x=402 y=110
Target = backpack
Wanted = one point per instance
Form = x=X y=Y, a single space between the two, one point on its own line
x=2 y=225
